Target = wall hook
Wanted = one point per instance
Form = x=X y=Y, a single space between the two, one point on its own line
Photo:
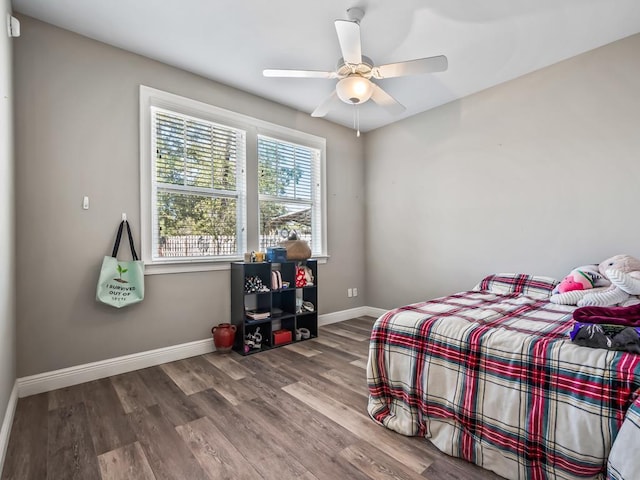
x=124 y=217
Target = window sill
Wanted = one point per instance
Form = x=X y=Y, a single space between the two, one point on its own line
x=170 y=268
x=192 y=267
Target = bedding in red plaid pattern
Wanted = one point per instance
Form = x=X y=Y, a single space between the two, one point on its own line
x=490 y=375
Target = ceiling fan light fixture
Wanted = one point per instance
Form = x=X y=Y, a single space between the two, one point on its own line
x=355 y=72
x=354 y=89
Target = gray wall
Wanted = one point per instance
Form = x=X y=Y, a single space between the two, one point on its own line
x=7 y=253
x=77 y=134
x=536 y=175
x=515 y=178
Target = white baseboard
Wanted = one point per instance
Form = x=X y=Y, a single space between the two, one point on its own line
x=376 y=312
x=340 y=316
x=66 y=377
x=5 y=432
x=343 y=315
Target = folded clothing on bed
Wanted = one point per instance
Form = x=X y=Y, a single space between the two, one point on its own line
x=612 y=337
x=628 y=316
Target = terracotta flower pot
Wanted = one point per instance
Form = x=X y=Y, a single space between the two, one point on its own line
x=223 y=336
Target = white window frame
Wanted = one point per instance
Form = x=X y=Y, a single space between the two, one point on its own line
x=317 y=202
x=239 y=193
x=151 y=97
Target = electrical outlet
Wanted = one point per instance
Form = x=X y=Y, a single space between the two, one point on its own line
x=349 y=292
x=355 y=292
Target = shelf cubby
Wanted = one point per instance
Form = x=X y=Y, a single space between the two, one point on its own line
x=284 y=305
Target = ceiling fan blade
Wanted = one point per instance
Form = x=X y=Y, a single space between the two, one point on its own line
x=412 y=67
x=349 y=38
x=385 y=100
x=322 y=109
x=298 y=73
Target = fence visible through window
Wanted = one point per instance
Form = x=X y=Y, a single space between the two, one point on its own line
x=197 y=246
x=207 y=245
x=274 y=240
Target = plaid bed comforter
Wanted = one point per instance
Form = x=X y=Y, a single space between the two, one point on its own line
x=490 y=375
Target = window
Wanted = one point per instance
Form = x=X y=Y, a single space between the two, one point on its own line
x=289 y=192
x=216 y=184
x=198 y=175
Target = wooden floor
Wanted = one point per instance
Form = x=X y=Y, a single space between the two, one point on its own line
x=295 y=412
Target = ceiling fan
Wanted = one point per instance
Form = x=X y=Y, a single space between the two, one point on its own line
x=354 y=71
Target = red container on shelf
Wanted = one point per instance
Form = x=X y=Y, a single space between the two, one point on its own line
x=281 y=336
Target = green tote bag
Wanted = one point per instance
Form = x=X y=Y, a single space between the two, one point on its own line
x=121 y=283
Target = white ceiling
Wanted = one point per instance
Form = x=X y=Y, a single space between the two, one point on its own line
x=231 y=41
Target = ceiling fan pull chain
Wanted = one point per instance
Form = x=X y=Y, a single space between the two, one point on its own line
x=354 y=116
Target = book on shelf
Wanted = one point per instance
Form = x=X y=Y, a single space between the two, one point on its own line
x=258 y=314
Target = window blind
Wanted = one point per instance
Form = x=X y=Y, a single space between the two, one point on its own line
x=289 y=191
x=199 y=186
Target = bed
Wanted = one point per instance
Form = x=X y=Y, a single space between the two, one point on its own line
x=490 y=375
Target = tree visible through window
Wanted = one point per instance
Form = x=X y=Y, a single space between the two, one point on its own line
x=205 y=171
x=289 y=189
x=199 y=183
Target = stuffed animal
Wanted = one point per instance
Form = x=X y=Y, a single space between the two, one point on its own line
x=581 y=278
x=576 y=280
x=577 y=284
x=624 y=273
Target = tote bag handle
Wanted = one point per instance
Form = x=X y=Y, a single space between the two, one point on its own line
x=116 y=245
